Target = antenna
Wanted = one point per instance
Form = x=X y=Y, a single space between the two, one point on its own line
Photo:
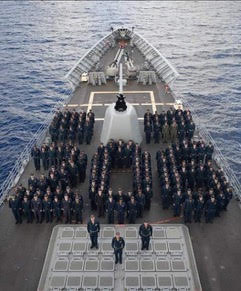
x=121 y=80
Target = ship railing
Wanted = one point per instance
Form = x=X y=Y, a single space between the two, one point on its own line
x=94 y=53
x=25 y=156
x=168 y=73
x=217 y=155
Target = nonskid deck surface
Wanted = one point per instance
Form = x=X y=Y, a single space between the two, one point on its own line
x=71 y=263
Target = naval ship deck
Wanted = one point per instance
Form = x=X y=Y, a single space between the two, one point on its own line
x=216 y=246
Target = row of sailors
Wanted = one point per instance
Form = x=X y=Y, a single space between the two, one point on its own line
x=57 y=182
x=70 y=173
x=169 y=195
x=114 y=154
x=73 y=126
x=193 y=176
x=142 y=177
x=102 y=163
x=99 y=176
x=70 y=205
x=188 y=174
x=178 y=114
x=121 y=153
x=195 y=206
x=187 y=151
x=168 y=126
x=54 y=155
x=123 y=205
x=47 y=208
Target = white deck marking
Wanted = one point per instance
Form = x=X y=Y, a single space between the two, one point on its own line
x=149 y=104
x=71 y=105
x=90 y=101
x=153 y=103
x=116 y=92
x=102 y=119
x=107 y=104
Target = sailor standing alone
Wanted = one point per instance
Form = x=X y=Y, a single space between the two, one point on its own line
x=118 y=245
x=93 y=228
x=145 y=232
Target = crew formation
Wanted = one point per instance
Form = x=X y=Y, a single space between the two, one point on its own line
x=168 y=126
x=51 y=195
x=73 y=126
x=191 y=182
x=66 y=129
x=120 y=155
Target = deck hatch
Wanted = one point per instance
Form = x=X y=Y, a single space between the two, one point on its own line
x=71 y=265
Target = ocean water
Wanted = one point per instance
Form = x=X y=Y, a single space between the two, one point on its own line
x=40 y=41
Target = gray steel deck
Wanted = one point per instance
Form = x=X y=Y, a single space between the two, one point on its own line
x=216 y=246
x=170 y=258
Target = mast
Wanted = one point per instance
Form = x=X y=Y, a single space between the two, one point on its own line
x=121 y=80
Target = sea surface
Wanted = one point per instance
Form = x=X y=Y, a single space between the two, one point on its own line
x=41 y=40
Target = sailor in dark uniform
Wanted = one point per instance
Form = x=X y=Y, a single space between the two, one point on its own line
x=48 y=209
x=177 y=203
x=210 y=210
x=132 y=210
x=188 y=208
x=148 y=131
x=121 y=210
x=15 y=205
x=91 y=116
x=35 y=153
x=67 y=208
x=140 y=199
x=33 y=181
x=63 y=178
x=52 y=156
x=156 y=131
x=80 y=133
x=118 y=245
x=45 y=158
x=88 y=131
x=119 y=157
x=57 y=206
x=165 y=194
x=110 y=209
x=93 y=228
x=82 y=164
x=145 y=232
x=37 y=208
x=147 y=117
x=100 y=203
x=198 y=210
x=78 y=208
x=26 y=206
x=73 y=174
x=148 y=195
x=92 y=195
